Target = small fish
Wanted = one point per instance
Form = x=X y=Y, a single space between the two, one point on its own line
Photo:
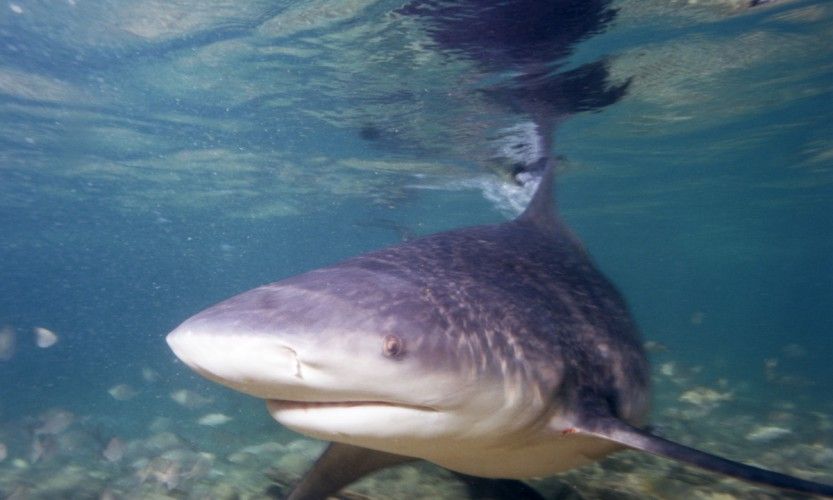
x=4 y=452
x=44 y=337
x=43 y=448
x=54 y=422
x=7 y=343
x=794 y=351
x=705 y=397
x=190 y=399
x=653 y=346
x=697 y=317
x=214 y=419
x=164 y=471
x=114 y=451
x=767 y=433
x=770 y=369
x=122 y=392
x=150 y=375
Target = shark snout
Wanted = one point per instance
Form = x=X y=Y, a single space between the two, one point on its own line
x=255 y=364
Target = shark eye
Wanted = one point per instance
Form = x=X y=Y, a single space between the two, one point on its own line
x=393 y=347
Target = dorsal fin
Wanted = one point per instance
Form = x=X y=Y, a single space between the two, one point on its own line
x=541 y=209
x=620 y=432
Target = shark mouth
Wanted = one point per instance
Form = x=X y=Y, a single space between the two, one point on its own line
x=371 y=421
x=278 y=405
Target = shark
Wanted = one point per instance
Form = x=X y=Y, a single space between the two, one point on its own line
x=499 y=352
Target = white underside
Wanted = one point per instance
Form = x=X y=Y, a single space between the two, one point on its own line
x=517 y=455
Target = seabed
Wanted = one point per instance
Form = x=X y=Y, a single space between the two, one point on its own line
x=59 y=454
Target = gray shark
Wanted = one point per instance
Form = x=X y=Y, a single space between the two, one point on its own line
x=499 y=352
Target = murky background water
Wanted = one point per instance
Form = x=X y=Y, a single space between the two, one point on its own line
x=157 y=157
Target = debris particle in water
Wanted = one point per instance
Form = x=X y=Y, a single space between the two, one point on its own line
x=214 y=419
x=17 y=9
x=4 y=452
x=44 y=337
x=122 y=392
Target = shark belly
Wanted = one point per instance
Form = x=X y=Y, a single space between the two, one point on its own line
x=546 y=456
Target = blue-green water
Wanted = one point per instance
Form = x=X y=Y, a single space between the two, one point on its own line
x=157 y=157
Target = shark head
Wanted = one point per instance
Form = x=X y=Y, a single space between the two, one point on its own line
x=356 y=355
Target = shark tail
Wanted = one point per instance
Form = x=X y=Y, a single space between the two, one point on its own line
x=620 y=432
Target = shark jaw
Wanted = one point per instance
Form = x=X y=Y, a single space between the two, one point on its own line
x=357 y=420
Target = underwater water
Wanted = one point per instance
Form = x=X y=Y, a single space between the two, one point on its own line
x=158 y=157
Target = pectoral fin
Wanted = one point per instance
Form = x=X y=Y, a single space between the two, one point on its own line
x=620 y=432
x=340 y=465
